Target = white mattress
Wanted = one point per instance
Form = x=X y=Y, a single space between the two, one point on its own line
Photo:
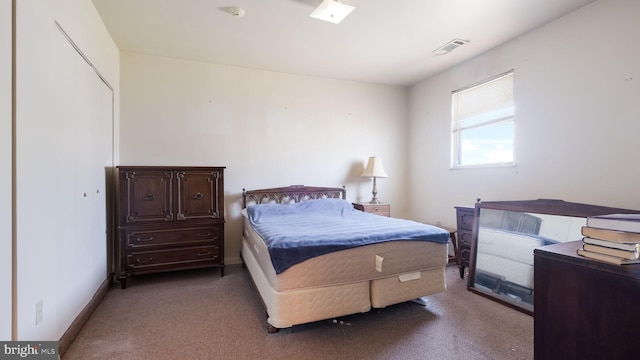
x=345 y=282
x=515 y=272
x=508 y=245
x=298 y=306
x=376 y=261
x=508 y=254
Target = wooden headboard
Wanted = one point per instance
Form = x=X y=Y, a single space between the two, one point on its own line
x=293 y=193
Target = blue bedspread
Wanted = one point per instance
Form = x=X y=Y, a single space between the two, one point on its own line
x=300 y=231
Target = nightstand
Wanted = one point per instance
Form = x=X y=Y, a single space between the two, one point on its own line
x=454 y=242
x=379 y=209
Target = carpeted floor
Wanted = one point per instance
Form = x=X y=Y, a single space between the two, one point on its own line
x=199 y=315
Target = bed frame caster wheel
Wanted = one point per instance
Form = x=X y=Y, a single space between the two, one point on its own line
x=272 y=329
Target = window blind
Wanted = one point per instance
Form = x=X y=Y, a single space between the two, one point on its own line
x=490 y=101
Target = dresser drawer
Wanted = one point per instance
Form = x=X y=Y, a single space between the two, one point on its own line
x=465 y=238
x=140 y=239
x=155 y=260
x=378 y=209
x=465 y=218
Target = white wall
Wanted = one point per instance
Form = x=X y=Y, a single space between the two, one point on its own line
x=269 y=129
x=577 y=87
x=6 y=141
x=55 y=262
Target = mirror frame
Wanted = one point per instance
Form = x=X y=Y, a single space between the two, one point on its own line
x=539 y=206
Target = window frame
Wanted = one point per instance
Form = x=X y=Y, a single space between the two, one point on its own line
x=500 y=117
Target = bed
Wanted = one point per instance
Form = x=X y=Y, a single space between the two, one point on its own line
x=311 y=266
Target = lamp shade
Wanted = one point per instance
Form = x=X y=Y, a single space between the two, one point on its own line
x=374 y=168
x=332 y=11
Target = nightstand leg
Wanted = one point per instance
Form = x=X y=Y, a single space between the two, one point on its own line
x=456 y=257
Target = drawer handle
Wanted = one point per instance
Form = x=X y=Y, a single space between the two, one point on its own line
x=150 y=197
x=150 y=238
x=205 y=254
x=198 y=196
x=203 y=235
x=144 y=262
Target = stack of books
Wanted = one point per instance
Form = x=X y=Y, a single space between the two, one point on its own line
x=613 y=238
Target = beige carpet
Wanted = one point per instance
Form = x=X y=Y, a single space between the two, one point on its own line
x=199 y=315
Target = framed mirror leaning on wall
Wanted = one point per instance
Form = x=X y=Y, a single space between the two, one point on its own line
x=504 y=236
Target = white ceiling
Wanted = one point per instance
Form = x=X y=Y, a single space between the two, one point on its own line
x=381 y=41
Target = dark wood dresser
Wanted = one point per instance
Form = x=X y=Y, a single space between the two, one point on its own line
x=584 y=309
x=464 y=217
x=169 y=218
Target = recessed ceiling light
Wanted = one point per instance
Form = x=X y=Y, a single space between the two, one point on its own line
x=332 y=11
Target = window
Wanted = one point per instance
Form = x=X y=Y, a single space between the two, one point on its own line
x=482 y=123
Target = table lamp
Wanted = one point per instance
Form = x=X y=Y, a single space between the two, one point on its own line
x=374 y=170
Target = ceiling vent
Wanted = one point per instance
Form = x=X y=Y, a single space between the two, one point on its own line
x=450 y=46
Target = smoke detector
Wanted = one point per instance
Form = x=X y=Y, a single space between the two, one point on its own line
x=450 y=46
x=234 y=11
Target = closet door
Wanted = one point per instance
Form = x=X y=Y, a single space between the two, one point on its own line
x=83 y=145
x=92 y=102
x=102 y=171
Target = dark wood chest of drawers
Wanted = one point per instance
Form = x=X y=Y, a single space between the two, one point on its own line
x=169 y=218
x=464 y=217
x=584 y=309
